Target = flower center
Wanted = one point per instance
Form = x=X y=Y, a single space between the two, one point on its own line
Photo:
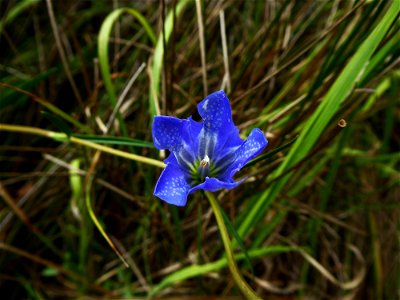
x=204 y=167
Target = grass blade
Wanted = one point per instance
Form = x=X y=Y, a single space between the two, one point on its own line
x=238 y=239
x=103 y=43
x=114 y=140
x=197 y=270
x=270 y=153
x=339 y=91
x=58 y=122
x=155 y=73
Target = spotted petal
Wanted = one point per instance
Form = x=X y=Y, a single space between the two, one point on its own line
x=254 y=145
x=218 y=127
x=178 y=136
x=214 y=184
x=167 y=132
x=215 y=111
x=172 y=186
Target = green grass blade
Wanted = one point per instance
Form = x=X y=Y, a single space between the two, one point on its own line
x=16 y=10
x=155 y=76
x=270 y=153
x=315 y=126
x=103 y=44
x=97 y=223
x=197 y=270
x=51 y=107
x=114 y=140
x=58 y=122
x=233 y=231
x=392 y=46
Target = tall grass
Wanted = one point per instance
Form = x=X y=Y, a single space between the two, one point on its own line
x=318 y=213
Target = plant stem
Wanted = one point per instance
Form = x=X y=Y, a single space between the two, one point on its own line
x=61 y=137
x=241 y=283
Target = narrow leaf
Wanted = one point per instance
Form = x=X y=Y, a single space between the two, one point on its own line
x=58 y=122
x=197 y=270
x=313 y=129
x=155 y=74
x=233 y=231
x=103 y=43
x=113 y=140
x=270 y=153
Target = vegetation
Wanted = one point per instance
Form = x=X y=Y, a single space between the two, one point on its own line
x=80 y=81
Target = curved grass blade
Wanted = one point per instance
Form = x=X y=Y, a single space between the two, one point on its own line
x=197 y=270
x=103 y=43
x=17 y=9
x=97 y=222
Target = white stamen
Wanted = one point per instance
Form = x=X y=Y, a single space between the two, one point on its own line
x=204 y=167
x=205 y=162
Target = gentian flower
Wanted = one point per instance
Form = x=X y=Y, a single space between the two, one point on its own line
x=204 y=155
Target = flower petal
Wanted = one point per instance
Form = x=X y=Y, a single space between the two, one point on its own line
x=167 y=132
x=192 y=133
x=172 y=186
x=214 y=184
x=215 y=110
x=218 y=127
x=254 y=145
x=171 y=160
x=178 y=136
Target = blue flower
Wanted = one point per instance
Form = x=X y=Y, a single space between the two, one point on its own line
x=204 y=155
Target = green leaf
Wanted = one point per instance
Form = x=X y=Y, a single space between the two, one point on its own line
x=113 y=140
x=197 y=270
x=155 y=74
x=270 y=154
x=17 y=9
x=58 y=122
x=54 y=109
x=104 y=38
x=103 y=43
x=50 y=272
x=238 y=239
x=317 y=123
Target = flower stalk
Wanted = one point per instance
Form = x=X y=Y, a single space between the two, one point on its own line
x=241 y=283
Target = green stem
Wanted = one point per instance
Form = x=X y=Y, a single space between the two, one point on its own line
x=241 y=283
x=62 y=137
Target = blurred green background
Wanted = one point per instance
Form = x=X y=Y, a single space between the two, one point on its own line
x=319 y=212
